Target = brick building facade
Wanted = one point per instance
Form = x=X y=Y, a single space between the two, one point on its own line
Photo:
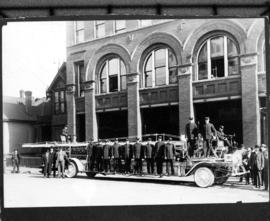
x=134 y=77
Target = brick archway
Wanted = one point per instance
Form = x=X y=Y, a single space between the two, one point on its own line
x=153 y=39
x=196 y=37
x=96 y=60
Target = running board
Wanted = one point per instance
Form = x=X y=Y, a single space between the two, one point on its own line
x=147 y=177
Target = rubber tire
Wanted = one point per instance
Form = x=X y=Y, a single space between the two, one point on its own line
x=204 y=177
x=71 y=174
x=91 y=174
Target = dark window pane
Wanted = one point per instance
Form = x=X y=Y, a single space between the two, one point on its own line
x=233 y=66
x=160 y=76
x=202 y=71
x=203 y=54
x=160 y=57
x=217 y=47
x=113 y=83
x=148 y=79
x=172 y=75
x=217 y=67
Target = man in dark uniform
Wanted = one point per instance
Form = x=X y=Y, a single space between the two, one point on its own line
x=137 y=155
x=149 y=156
x=127 y=154
x=191 y=133
x=115 y=156
x=169 y=155
x=208 y=132
x=16 y=158
x=99 y=155
x=48 y=158
x=222 y=136
x=253 y=165
x=159 y=155
x=90 y=155
x=106 y=156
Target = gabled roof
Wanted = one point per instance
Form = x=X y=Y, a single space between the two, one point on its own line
x=13 y=111
x=60 y=74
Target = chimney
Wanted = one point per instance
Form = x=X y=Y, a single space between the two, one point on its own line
x=22 y=94
x=28 y=101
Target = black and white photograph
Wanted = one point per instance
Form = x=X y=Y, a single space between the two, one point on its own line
x=134 y=112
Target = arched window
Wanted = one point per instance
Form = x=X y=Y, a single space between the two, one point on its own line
x=160 y=68
x=112 y=76
x=218 y=57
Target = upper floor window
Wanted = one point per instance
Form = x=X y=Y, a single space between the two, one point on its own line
x=120 y=26
x=145 y=22
x=99 y=28
x=59 y=102
x=112 y=76
x=79 y=78
x=160 y=68
x=79 y=31
x=218 y=57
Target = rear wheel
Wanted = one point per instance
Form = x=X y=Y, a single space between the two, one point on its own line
x=72 y=170
x=91 y=174
x=204 y=177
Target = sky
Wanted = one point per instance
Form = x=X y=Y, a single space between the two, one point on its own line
x=32 y=54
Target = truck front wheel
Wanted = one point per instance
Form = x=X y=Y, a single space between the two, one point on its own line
x=204 y=177
x=72 y=170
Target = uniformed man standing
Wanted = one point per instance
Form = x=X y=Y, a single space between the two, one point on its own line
x=137 y=155
x=99 y=155
x=127 y=154
x=48 y=158
x=115 y=156
x=16 y=158
x=208 y=132
x=159 y=155
x=191 y=132
x=60 y=161
x=169 y=155
x=90 y=154
x=149 y=156
x=106 y=156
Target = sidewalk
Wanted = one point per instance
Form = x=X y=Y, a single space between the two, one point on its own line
x=23 y=170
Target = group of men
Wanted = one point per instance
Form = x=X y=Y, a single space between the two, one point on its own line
x=254 y=161
x=127 y=158
x=200 y=141
x=54 y=161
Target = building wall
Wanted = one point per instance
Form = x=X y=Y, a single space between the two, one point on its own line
x=185 y=37
x=15 y=134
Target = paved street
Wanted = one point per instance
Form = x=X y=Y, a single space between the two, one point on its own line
x=30 y=189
